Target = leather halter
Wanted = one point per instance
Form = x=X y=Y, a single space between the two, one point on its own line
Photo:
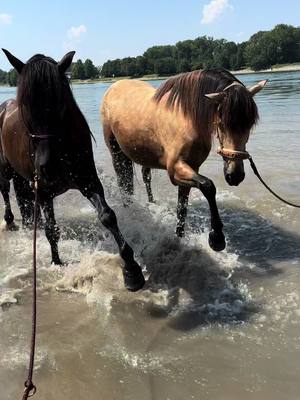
x=35 y=136
x=233 y=155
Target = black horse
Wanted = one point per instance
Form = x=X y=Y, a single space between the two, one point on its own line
x=43 y=132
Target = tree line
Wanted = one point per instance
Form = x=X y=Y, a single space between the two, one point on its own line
x=84 y=70
x=79 y=70
x=8 y=78
x=263 y=49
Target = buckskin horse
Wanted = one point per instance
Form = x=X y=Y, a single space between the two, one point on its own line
x=172 y=128
x=44 y=133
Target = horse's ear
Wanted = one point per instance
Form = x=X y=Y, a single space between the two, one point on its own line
x=66 y=61
x=15 y=62
x=216 y=97
x=256 y=88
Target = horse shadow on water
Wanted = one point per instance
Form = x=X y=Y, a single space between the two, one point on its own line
x=200 y=290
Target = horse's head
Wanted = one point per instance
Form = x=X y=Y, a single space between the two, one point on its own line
x=236 y=114
x=42 y=96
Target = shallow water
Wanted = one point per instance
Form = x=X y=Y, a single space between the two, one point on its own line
x=208 y=325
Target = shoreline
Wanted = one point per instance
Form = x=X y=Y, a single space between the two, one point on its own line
x=246 y=71
x=274 y=69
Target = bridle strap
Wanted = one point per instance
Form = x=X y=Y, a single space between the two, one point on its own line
x=233 y=154
x=38 y=136
x=235 y=83
x=244 y=155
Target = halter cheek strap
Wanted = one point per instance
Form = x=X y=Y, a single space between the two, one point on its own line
x=234 y=83
x=228 y=153
x=37 y=136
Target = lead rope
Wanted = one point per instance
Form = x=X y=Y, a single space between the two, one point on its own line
x=30 y=388
x=253 y=166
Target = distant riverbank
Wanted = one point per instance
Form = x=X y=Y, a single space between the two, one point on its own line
x=273 y=69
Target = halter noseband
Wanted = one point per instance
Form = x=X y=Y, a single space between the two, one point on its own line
x=233 y=155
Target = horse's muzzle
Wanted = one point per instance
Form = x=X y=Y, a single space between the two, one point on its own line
x=234 y=179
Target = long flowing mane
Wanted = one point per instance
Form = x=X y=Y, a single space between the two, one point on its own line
x=44 y=97
x=238 y=111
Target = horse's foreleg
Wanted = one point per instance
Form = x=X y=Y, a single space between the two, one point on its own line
x=146 y=172
x=51 y=229
x=183 y=174
x=25 y=199
x=132 y=272
x=183 y=199
x=8 y=215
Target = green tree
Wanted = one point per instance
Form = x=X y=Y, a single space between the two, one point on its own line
x=263 y=49
x=3 y=77
x=78 y=70
x=165 y=66
x=12 y=77
x=90 y=71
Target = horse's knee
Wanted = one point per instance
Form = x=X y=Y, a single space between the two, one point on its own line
x=206 y=186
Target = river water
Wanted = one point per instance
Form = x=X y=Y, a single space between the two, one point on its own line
x=208 y=325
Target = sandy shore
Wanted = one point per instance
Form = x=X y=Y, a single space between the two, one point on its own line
x=277 y=68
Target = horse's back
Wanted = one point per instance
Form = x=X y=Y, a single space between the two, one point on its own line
x=126 y=93
x=129 y=115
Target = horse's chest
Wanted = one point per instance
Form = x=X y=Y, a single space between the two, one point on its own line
x=197 y=153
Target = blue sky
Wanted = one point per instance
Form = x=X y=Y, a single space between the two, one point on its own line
x=103 y=29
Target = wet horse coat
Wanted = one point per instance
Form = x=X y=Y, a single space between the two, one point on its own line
x=172 y=128
x=44 y=133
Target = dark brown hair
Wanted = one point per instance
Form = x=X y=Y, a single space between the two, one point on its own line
x=238 y=111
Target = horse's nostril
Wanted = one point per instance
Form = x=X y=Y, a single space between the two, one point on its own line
x=228 y=178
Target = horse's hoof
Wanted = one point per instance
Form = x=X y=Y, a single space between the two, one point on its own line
x=216 y=241
x=180 y=231
x=9 y=227
x=133 y=280
x=58 y=262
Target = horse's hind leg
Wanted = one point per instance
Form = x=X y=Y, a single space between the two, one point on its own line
x=183 y=199
x=123 y=167
x=8 y=215
x=146 y=172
